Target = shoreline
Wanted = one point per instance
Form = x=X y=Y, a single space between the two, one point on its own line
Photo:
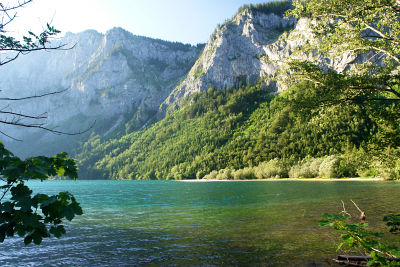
x=289 y=179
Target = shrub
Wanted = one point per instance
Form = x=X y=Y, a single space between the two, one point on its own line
x=211 y=176
x=308 y=168
x=274 y=168
x=329 y=167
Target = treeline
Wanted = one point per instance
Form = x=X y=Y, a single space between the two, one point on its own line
x=277 y=7
x=354 y=163
x=240 y=128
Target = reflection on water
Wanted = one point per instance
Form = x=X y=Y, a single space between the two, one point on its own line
x=273 y=223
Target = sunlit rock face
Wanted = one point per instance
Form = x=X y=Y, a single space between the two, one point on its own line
x=105 y=75
x=251 y=47
x=239 y=52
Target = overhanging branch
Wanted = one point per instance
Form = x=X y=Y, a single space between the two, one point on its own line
x=31 y=97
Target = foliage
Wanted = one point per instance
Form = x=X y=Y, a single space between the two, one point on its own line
x=367 y=32
x=277 y=7
x=275 y=168
x=239 y=128
x=364 y=32
x=38 y=216
x=356 y=235
x=353 y=163
x=393 y=221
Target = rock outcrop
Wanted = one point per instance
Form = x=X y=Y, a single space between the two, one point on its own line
x=253 y=46
x=105 y=76
x=238 y=52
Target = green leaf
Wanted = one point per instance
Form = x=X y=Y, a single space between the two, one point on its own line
x=2 y=233
x=60 y=171
x=31 y=220
x=57 y=231
x=20 y=230
x=68 y=213
x=7 y=207
x=326 y=223
x=37 y=238
x=340 y=246
x=48 y=201
x=28 y=239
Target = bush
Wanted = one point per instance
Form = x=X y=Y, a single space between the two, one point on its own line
x=351 y=164
x=329 y=167
x=274 y=168
x=224 y=174
x=244 y=174
x=308 y=168
x=211 y=176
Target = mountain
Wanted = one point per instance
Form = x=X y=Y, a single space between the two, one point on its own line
x=172 y=111
x=236 y=51
x=230 y=111
x=110 y=79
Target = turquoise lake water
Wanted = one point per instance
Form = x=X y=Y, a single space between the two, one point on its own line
x=170 y=223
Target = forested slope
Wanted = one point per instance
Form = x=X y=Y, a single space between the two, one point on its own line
x=232 y=128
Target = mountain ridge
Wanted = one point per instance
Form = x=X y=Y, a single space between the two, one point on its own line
x=219 y=106
x=107 y=75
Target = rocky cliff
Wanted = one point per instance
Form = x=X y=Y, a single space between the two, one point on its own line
x=239 y=52
x=253 y=46
x=105 y=76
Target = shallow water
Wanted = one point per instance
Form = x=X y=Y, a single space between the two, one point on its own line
x=153 y=223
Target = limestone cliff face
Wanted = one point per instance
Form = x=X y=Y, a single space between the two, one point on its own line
x=253 y=46
x=106 y=75
x=236 y=53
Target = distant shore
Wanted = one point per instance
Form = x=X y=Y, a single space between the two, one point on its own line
x=291 y=179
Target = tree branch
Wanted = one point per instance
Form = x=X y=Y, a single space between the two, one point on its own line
x=8 y=60
x=5 y=9
x=33 y=49
x=40 y=126
x=13 y=138
x=38 y=117
x=31 y=97
x=384 y=36
x=28 y=50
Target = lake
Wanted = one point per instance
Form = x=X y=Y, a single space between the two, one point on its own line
x=153 y=223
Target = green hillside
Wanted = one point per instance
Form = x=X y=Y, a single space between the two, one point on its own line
x=236 y=128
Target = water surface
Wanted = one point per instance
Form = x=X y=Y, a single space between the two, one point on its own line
x=154 y=223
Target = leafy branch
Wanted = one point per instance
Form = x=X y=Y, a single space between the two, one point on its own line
x=34 y=217
x=354 y=234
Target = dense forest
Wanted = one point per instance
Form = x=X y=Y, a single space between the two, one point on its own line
x=247 y=132
x=328 y=123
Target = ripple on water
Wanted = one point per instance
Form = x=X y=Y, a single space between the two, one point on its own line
x=170 y=223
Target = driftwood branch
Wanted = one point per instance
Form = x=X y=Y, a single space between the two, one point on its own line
x=344 y=211
x=349 y=260
x=362 y=214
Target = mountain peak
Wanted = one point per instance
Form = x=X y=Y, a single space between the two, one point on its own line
x=236 y=50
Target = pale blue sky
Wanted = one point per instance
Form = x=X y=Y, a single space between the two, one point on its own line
x=187 y=21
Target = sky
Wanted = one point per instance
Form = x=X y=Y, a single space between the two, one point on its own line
x=186 y=21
